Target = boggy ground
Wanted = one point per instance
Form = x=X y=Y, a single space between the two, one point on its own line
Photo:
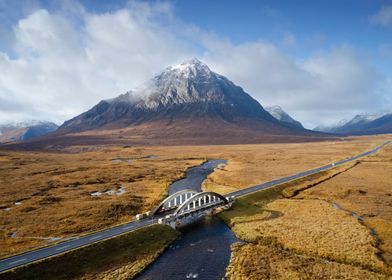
x=50 y=195
x=47 y=196
x=334 y=225
x=366 y=192
x=121 y=257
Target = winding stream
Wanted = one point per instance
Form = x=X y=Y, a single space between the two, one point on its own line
x=203 y=249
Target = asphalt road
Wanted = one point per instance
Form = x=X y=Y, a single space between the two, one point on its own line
x=42 y=253
x=65 y=246
x=305 y=173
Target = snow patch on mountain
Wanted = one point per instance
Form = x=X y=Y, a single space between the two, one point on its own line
x=18 y=131
x=364 y=118
x=358 y=123
x=278 y=113
x=188 y=91
x=330 y=127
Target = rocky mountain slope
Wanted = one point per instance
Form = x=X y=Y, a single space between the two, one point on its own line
x=278 y=113
x=13 y=132
x=185 y=104
x=186 y=91
x=363 y=124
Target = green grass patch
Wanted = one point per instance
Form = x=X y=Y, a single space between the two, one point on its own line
x=251 y=204
x=134 y=247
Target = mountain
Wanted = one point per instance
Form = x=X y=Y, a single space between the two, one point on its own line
x=278 y=113
x=330 y=128
x=188 y=90
x=22 y=131
x=185 y=104
x=365 y=124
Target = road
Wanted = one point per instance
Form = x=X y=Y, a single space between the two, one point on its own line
x=279 y=181
x=77 y=242
x=42 y=253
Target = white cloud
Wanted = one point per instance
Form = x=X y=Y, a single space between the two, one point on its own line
x=288 y=39
x=66 y=61
x=321 y=89
x=62 y=69
x=383 y=17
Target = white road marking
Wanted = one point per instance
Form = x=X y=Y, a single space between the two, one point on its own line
x=18 y=261
x=61 y=248
x=128 y=227
x=240 y=193
x=95 y=237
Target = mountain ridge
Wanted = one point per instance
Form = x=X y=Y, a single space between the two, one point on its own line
x=188 y=90
x=22 y=131
x=183 y=105
x=363 y=124
x=278 y=113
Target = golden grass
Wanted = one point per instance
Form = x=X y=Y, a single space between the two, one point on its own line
x=304 y=231
x=314 y=227
x=55 y=192
x=117 y=258
x=296 y=186
x=251 y=261
x=307 y=237
x=55 y=187
x=252 y=164
x=367 y=191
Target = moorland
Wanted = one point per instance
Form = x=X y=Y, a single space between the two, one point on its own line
x=48 y=196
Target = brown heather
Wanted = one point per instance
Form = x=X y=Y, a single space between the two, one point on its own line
x=319 y=238
x=55 y=190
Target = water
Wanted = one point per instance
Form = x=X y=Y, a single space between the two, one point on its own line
x=203 y=250
x=195 y=176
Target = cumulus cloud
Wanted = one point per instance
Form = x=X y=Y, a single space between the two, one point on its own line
x=383 y=17
x=64 y=62
x=322 y=89
x=61 y=68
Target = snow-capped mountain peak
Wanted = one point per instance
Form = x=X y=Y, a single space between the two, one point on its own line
x=367 y=117
x=187 y=90
x=189 y=82
x=193 y=65
x=18 y=131
x=362 y=124
x=278 y=113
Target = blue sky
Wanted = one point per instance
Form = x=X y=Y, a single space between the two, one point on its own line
x=322 y=61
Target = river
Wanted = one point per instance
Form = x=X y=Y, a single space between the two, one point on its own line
x=203 y=249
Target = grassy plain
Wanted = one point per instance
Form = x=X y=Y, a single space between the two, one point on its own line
x=48 y=195
x=366 y=191
x=45 y=196
x=118 y=258
x=307 y=235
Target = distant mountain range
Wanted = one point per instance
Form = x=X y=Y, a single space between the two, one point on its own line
x=364 y=124
x=278 y=113
x=22 y=131
x=186 y=103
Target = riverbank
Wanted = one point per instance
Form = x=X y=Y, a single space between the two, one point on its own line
x=122 y=257
x=290 y=235
x=203 y=249
x=147 y=182
x=47 y=197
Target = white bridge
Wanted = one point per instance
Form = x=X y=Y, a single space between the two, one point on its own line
x=187 y=206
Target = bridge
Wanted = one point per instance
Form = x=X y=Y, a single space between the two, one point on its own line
x=177 y=209
x=187 y=206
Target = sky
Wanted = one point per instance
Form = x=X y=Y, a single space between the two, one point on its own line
x=321 y=61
